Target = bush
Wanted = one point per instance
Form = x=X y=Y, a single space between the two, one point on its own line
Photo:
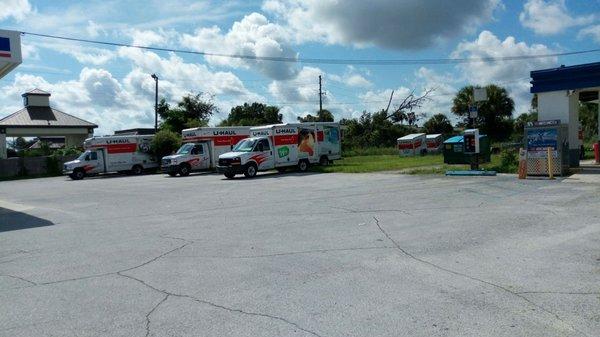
x=509 y=161
x=164 y=143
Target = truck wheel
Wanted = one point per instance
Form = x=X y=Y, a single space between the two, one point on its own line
x=229 y=175
x=324 y=161
x=77 y=174
x=184 y=170
x=303 y=165
x=250 y=171
x=172 y=174
x=137 y=170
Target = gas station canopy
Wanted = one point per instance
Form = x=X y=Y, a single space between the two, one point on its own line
x=10 y=51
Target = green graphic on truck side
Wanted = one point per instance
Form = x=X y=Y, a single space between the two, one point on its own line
x=283 y=151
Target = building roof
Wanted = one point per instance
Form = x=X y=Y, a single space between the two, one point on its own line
x=34 y=116
x=36 y=91
x=566 y=78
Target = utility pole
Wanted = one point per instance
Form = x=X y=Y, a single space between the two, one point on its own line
x=155 y=102
x=320 y=97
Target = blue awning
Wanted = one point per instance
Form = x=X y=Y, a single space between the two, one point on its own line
x=566 y=78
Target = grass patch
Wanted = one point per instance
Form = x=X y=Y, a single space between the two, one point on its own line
x=429 y=164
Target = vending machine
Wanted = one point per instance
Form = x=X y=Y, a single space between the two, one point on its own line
x=541 y=136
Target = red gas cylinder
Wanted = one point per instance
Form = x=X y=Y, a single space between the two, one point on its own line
x=597 y=152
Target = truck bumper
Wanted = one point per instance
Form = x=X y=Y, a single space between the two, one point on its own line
x=169 y=169
x=233 y=169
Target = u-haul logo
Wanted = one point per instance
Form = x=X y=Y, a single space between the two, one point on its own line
x=260 y=133
x=117 y=141
x=285 y=131
x=224 y=133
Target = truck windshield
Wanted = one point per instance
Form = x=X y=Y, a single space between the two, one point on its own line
x=83 y=155
x=185 y=149
x=245 y=145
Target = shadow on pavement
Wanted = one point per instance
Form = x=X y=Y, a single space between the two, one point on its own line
x=13 y=221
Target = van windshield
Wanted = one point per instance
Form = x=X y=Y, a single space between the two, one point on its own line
x=245 y=145
x=185 y=149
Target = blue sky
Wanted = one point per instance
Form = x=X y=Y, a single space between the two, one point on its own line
x=112 y=86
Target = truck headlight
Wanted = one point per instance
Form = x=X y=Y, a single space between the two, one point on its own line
x=236 y=161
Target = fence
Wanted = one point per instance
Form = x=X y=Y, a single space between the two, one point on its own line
x=32 y=166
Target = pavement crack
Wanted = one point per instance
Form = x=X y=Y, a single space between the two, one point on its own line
x=20 y=278
x=291 y=253
x=152 y=311
x=156 y=257
x=473 y=278
x=560 y=292
x=212 y=304
x=350 y=210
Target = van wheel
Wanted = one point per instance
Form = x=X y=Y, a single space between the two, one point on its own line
x=324 y=161
x=229 y=175
x=250 y=171
x=77 y=174
x=137 y=170
x=184 y=170
x=303 y=165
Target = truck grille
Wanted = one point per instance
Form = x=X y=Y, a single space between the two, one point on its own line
x=166 y=162
x=224 y=162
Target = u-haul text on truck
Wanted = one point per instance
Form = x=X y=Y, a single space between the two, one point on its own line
x=112 y=154
x=201 y=148
x=282 y=146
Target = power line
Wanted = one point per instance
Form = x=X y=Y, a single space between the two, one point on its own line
x=382 y=62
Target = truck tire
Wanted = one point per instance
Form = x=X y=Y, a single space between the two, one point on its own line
x=250 y=171
x=77 y=174
x=324 y=161
x=172 y=174
x=137 y=170
x=303 y=165
x=229 y=175
x=184 y=170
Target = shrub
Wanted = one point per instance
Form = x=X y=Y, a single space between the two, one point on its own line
x=164 y=143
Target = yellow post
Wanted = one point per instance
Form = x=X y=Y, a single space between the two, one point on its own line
x=550 y=162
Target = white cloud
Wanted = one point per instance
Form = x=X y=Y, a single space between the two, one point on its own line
x=592 y=32
x=409 y=24
x=94 y=30
x=254 y=35
x=513 y=75
x=550 y=17
x=17 y=9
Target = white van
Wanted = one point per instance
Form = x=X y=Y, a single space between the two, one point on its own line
x=112 y=154
x=201 y=149
x=283 y=146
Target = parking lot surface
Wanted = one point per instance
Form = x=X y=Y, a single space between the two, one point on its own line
x=299 y=255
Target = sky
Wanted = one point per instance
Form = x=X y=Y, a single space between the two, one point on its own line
x=112 y=87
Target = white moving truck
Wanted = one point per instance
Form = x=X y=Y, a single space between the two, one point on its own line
x=283 y=146
x=412 y=145
x=112 y=154
x=434 y=143
x=201 y=149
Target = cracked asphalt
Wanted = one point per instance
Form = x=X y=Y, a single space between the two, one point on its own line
x=299 y=255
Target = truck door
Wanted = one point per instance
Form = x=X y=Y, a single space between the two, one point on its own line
x=265 y=158
x=101 y=160
x=204 y=155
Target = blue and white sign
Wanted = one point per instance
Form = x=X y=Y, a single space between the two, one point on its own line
x=10 y=51
x=540 y=139
x=473 y=111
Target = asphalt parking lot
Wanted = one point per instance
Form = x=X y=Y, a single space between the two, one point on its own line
x=299 y=255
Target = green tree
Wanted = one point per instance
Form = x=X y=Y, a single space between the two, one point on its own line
x=321 y=116
x=438 y=123
x=165 y=142
x=588 y=116
x=521 y=122
x=191 y=111
x=372 y=130
x=253 y=114
x=494 y=115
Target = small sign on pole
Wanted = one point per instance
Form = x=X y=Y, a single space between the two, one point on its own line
x=473 y=112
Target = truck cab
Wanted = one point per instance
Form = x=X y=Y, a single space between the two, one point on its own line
x=90 y=162
x=190 y=157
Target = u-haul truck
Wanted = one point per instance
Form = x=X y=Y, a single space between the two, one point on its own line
x=282 y=146
x=112 y=154
x=412 y=145
x=434 y=143
x=201 y=149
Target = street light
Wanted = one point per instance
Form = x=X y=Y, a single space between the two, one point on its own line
x=155 y=102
